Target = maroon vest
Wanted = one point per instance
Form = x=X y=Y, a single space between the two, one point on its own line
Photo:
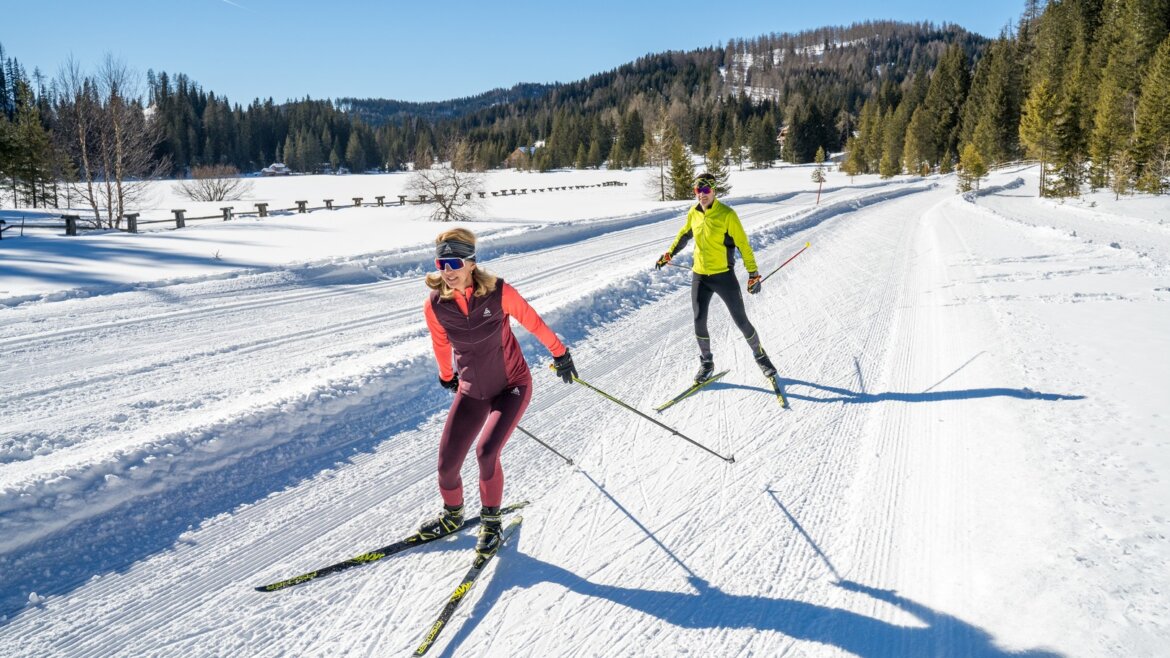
x=487 y=355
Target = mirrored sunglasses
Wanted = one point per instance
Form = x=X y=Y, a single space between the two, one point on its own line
x=453 y=263
x=702 y=189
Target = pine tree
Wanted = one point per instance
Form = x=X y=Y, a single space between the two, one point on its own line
x=763 y=143
x=1152 y=131
x=1131 y=34
x=972 y=168
x=943 y=103
x=738 y=145
x=915 y=155
x=852 y=164
x=355 y=154
x=1038 y=128
x=7 y=148
x=632 y=138
x=818 y=174
x=716 y=168
x=30 y=167
x=682 y=172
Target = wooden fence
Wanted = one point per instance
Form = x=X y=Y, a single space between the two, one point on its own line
x=74 y=223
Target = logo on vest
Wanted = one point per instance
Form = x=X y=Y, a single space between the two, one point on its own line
x=487 y=313
x=516 y=391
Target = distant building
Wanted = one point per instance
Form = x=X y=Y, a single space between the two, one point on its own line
x=275 y=169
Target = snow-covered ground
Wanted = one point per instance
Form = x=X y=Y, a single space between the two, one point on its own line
x=975 y=462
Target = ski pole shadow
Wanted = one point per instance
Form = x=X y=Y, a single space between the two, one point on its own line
x=831 y=394
x=799 y=528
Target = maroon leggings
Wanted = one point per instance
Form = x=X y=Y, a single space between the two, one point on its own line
x=493 y=421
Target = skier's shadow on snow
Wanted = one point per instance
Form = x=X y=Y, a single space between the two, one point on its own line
x=844 y=395
x=708 y=607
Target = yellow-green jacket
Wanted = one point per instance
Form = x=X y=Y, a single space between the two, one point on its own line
x=717 y=233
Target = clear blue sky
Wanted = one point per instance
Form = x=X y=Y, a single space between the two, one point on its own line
x=417 y=51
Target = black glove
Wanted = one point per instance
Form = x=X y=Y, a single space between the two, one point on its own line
x=754 y=282
x=450 y=384
x=661 y=262
x=565 y=368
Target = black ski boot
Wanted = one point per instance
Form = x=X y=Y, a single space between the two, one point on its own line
x=450 y=520
x=706 y=369
x=489 y=532
x=765 y=364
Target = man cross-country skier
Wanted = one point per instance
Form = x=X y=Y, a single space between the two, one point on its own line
x=717 y=232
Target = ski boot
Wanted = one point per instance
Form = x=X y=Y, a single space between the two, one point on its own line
x=765 y=364
x=706 y=369
x=489 y=532
x=450 y=520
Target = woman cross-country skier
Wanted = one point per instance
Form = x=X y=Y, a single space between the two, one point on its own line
x=467 y=314
x=717 y=232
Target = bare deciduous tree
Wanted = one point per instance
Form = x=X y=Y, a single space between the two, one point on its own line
x=214 y=183
x=453 y=192
x=112 y=137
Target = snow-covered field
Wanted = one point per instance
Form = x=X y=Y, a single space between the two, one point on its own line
x=975 y=462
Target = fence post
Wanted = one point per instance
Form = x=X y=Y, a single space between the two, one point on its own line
x=380 y=200
x=227 y=212
x=70 y=223
x=483 y=195
x=301 y=206
x=422 y=198
x=180 y=220
x=263 y=208
x=357 y=202
x=328 y=204
x=467 y=195
x=402 y=199
x=131 y=222
x=2 y=223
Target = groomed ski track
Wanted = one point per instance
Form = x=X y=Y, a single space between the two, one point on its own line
x=861 y=522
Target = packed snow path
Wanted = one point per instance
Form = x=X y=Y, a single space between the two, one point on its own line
x=947 y=481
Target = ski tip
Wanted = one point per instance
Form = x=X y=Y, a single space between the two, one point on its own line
x=807 y=245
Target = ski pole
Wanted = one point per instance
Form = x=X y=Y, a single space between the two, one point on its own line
x=730 y=460
x=806 y=246
x=533 y=437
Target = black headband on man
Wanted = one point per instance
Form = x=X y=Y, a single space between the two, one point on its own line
x=455 y=249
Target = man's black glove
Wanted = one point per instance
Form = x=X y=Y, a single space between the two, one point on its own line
x=565 y=368
x=450 y=384
x=755 y=281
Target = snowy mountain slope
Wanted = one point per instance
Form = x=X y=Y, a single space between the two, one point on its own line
x=948 y=481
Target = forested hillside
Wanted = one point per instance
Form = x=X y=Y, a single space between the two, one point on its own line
x=1080 y=85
